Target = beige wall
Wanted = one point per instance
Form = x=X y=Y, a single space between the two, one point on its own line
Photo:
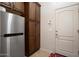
x=48 y=30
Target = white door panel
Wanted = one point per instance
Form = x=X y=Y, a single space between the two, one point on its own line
x=65 y=53
x=67 y=31
x=66 y=38
x=65 y=23
x=65 y=45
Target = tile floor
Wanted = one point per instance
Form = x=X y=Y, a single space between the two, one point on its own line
x=40 y=53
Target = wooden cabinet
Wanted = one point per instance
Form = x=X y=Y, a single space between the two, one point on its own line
x=14 y=7
x=32 y=28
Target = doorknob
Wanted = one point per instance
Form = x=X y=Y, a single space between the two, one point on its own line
x=56 y=34
x=78 y=31
x=56 y=31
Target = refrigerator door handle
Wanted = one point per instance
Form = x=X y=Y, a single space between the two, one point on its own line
x=13 y=34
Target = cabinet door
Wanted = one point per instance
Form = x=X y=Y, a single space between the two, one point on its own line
x=31 y=37
x=19 y=6
x=31 y=28
x=37 y=36
x=37 y=13
x=31 y=44
x=32 y=11
x=7 y=4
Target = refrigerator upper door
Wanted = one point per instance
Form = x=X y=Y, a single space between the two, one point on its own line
x=11 y=23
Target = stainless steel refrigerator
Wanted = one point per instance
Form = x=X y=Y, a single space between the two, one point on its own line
x=11 y=35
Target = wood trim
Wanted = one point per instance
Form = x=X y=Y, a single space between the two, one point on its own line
x=26 y=38
x=26 y=10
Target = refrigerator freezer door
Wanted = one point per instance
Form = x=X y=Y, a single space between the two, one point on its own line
x=17 y=46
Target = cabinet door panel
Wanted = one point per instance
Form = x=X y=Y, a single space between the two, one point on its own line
x=19 y=6
x=31 y=44
x=32 y=11
x=37 y=13
x=31 y=37
x=31 y=28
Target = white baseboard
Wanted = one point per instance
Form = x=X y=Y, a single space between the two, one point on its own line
x=46 y=50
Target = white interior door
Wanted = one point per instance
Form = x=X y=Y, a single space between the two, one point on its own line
x=67 y=31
